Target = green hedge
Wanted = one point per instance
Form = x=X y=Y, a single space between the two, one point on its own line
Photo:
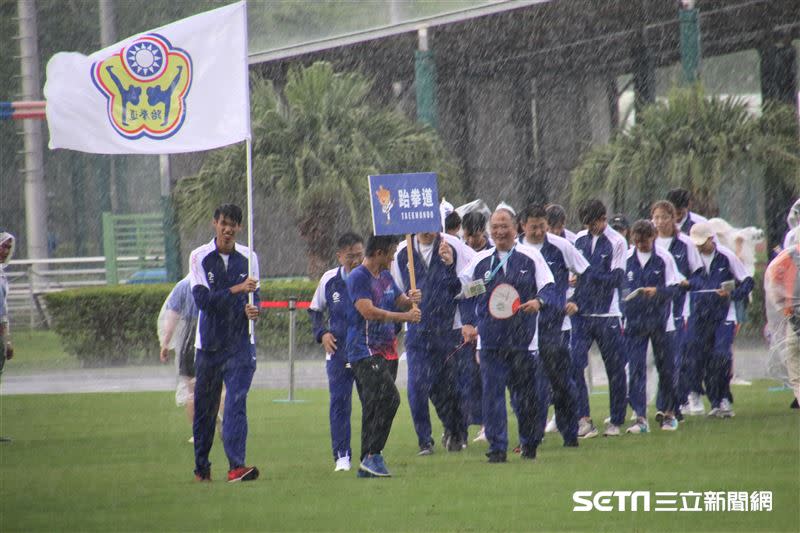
x=117 y=325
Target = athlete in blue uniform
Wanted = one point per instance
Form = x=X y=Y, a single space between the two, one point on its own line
x=562 y=258
x=377 y=304
x=508 y=331
x=332 y=296
x=226 y=352
x=712 y=324
x=432 y=345
x=687 y=259
x=651 y=283
x=597 y=318
x=682 y=199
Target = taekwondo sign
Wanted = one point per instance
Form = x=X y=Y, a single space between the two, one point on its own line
x=404 y=203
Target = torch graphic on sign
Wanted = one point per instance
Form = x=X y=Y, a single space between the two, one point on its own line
x=385 y=198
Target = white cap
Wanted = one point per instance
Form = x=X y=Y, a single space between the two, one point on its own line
x=700 y=233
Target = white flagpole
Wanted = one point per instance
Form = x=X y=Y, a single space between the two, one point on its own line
x=249 y=150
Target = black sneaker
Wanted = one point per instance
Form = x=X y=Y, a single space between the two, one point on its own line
x=454 y=444
x=571 y=443
x=528 y=452
x=793 y=405
x=496 y=457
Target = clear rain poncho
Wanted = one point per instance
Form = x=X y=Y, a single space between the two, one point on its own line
x=782 y=300
x=177 y=325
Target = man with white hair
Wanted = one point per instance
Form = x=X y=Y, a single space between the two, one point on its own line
x=511 y=285
x=6 y=349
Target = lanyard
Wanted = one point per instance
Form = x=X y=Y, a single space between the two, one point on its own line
x=499 y=265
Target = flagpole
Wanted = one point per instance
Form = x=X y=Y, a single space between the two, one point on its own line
x=249 y=149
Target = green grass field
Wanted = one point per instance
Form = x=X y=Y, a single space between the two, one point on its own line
x=92 y=462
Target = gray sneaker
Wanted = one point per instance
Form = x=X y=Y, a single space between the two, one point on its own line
x=612 y=430
x=426 y=450
x=586 y=429
x=725 y=409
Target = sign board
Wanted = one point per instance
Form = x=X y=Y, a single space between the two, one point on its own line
x=404 y=203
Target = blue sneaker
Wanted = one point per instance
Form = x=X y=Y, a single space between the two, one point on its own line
x=374 y=465
x=364 y=473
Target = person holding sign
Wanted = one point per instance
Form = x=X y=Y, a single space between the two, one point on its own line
x=377 y=304
x=595 y=314
x=651 y=283
x=432 y=345
x=563 y=259
x=712 y=322
x=510 y=284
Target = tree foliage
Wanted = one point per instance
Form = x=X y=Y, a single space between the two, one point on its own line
x=693 y=141
x=313 y=147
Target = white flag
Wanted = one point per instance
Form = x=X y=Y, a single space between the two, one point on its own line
x=179 y=88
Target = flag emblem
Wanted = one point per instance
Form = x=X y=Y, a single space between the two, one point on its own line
x=145 y=85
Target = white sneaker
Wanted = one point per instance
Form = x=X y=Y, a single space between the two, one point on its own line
x=586 y=429
x=696 y=406
x=725 y=409
x=481 y=437
x=342 y=464
x=607 y=420
x=551 y=426
x=612 y=431
x=639 y=427
x=191 y=440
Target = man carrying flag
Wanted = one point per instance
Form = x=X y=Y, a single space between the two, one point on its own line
x=175 y=89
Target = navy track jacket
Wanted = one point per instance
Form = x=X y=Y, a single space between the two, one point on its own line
x=222 y=324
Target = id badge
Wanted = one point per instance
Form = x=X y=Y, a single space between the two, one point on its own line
x=474 y=288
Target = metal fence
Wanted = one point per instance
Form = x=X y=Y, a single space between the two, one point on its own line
x=30 y=279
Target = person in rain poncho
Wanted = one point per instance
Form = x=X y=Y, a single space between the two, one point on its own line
x=177 y=327
x=6 y=349
x=793 y=220
x=782 y=295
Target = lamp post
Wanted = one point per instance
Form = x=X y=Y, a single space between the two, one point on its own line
x=689 y=22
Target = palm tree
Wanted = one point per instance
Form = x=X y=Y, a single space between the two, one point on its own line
x=313 y=148
x=693 y=141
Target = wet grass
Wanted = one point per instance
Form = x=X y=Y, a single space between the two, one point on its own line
x=103 y=462
x=39 y=350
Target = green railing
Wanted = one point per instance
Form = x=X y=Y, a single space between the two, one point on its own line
x=132 y=236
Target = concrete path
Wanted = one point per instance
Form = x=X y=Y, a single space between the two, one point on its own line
x=750 y=363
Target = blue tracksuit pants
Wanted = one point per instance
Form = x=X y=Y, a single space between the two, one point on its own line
x=340 y=387
x=607 y=333
x=469 y=385
x=557 y=382
x=516 y=370
x=234 y=368
x=711 y=356
x=679 y=341
x=636 y=348
x=433 y=375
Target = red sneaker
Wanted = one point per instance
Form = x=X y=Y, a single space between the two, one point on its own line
x=243 y=473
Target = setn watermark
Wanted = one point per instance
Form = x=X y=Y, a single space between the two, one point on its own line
x=689 y=501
